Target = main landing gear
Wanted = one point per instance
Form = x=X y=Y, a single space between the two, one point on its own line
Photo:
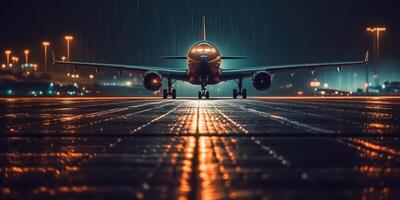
x=203 y=93
x=170 y=91
x=240 y=91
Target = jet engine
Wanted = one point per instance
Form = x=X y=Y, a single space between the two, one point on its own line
x=262 y=81
x=152 y=81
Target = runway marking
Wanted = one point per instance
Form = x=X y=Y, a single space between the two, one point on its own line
x=363 y=125
x=105 y=112
x=79 y=117
x=120 y=116
x=154 y=120
x=287 y=121
x=313 y=105
x=367 y=147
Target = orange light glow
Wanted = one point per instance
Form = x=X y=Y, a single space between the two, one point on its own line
x=315 y=84
x=68 y=37
x=46 y=44
x=7 y=52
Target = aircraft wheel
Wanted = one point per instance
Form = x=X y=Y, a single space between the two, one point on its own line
x=244 y=94
x=200 y=95
x=235 y=93
x=165 y=94
x=174 y=94
x=207 y=95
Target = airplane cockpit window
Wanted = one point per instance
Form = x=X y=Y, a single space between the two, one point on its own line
x=204 y=50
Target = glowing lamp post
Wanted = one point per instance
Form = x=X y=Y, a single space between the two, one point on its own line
x=45 y=46
x=69 y=39
x=376 y=31
x=26 y=52
x=8 y=53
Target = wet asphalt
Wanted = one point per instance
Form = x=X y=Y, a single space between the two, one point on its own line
x=138 y=148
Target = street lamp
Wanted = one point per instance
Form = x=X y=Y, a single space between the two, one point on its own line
x=376 y=31
x=68 y=38
x=8 y=53
x=26 y=52
x=45 y=45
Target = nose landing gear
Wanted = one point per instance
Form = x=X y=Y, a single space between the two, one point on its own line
x=203 y=93
x=240 y=91
x=170 y=91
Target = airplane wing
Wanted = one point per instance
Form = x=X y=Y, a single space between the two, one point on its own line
x=241 y=73
x=167 y=73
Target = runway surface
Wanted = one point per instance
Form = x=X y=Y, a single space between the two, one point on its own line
x=266 y=148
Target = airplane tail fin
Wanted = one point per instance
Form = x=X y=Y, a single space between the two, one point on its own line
x=203 y=29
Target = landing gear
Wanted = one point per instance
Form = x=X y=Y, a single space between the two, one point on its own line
x=203 y=93
x=240 y=91
x=170 y=91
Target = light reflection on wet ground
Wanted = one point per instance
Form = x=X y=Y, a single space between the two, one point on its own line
x=189 y=149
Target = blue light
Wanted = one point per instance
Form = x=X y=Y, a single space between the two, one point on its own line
x=10 y=92
x=51 y=84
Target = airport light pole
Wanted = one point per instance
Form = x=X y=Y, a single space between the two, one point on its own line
x=69 y=39
x=8 y=53
x=45 y=45
x=26 y=52
x=376 y=31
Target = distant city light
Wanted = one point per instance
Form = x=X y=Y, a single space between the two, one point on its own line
x=128 y=83
x=91 y=76
x=300 y=93
x=315 y=84
x=10 y=92
x=326 y=85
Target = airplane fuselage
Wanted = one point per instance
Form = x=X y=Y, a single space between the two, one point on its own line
x=204 y=61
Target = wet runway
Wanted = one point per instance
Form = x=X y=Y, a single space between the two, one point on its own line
x=266 y=148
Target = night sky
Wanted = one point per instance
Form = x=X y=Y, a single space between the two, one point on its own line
x=268 y=32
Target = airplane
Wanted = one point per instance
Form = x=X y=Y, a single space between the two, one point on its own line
x=204 y=68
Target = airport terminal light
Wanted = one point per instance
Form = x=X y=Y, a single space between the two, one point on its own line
x=45 y=45
x=68 y=38
x=8 y=53
x=26 y=52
